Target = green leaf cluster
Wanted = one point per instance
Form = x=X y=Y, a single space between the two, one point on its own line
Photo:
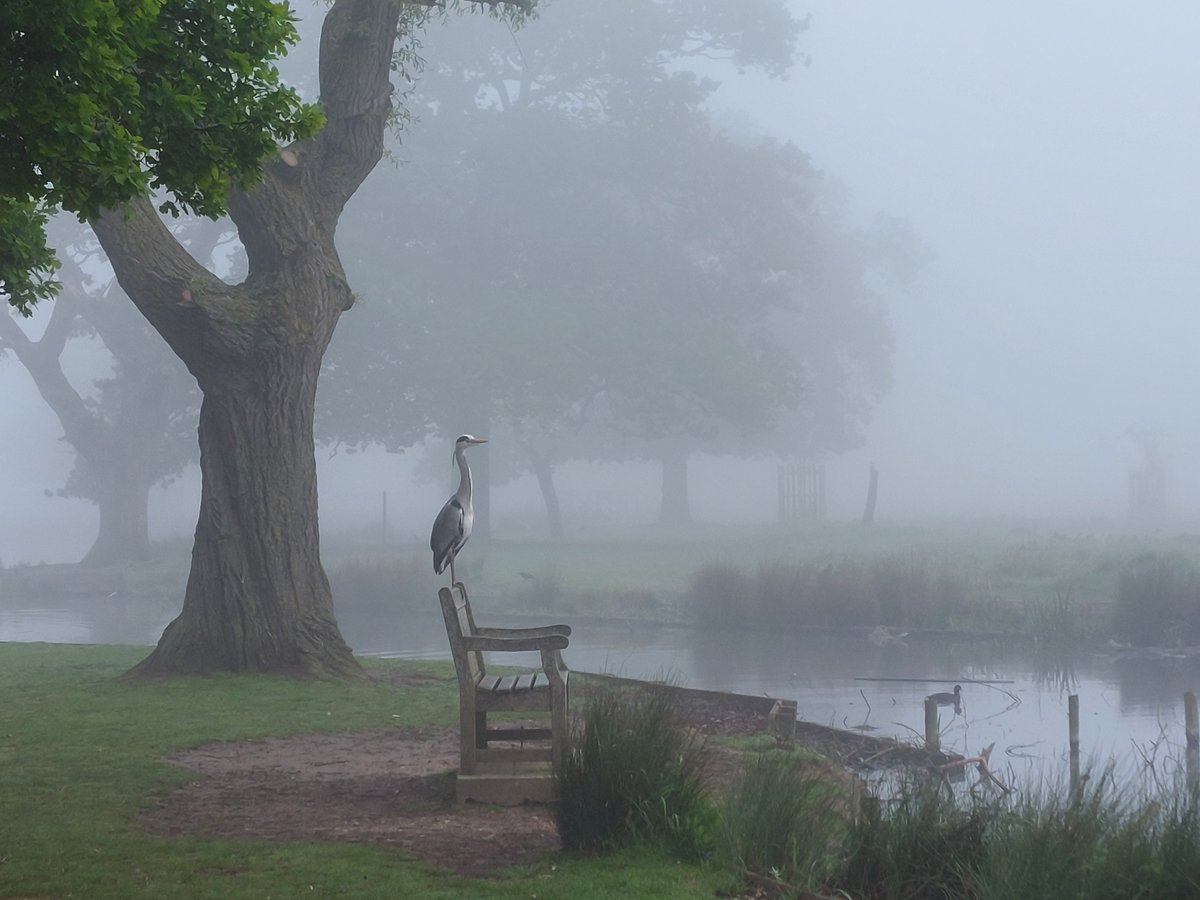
x=27 y=265
x=105 y=100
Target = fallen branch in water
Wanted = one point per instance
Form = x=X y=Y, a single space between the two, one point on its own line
x=981 y=763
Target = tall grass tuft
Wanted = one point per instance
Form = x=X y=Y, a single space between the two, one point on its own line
x=1055 y=622
x=785 y=820
x=919 y=845
x=633 y=772
x=1095 y=842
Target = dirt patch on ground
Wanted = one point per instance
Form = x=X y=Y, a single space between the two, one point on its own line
x=396 y=786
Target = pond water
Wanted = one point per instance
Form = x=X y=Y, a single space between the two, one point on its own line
x=1131 y=708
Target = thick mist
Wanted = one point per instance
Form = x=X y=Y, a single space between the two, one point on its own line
x=1045 y=153
x=1044 y=156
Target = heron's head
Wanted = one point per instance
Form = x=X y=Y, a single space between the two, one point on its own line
x=468 y=440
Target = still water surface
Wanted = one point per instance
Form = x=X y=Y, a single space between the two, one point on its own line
x=1132 y=709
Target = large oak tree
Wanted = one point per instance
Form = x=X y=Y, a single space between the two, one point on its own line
x=197 y=81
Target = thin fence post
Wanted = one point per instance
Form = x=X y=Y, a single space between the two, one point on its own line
x=1073 y=737
x=932 y=738
x=1191 y=727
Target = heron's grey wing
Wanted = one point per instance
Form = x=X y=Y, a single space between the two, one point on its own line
x=446 y=534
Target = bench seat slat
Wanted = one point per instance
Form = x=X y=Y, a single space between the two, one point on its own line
x=525 y=682
x=505 y=685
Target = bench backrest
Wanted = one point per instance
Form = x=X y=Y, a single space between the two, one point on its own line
x=456 y=610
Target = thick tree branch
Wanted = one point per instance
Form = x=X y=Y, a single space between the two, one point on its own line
x=357 y=41
x=178 y=296
x=41 y=361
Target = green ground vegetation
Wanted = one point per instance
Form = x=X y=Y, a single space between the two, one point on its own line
x=81 y=754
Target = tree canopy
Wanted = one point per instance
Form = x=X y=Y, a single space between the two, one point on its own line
x=595 y=266
x=103 y=101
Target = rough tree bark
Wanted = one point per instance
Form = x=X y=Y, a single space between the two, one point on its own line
x=257 y=598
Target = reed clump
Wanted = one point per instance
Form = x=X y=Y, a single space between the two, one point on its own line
x=903 y=590
x=633 y=773
x=1158 y=601
x=785 y=820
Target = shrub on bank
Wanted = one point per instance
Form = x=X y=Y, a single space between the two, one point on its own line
x=720 y=594
x=1158 y=601
x=903 y=590
x=633 y=772
x=785 y=820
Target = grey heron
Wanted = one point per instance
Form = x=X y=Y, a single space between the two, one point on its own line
x=453 y=524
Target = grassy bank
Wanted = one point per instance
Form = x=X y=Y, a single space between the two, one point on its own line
x=81 y=756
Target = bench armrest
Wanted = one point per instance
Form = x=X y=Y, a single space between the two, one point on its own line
x=555 y=668
x=564 y=630
x=491 y=642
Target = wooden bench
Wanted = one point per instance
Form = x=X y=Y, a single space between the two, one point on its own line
x=509 y=774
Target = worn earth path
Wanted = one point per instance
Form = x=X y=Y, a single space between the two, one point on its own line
x=395 y=786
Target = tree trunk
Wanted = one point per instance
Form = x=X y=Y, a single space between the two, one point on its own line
x=257 y=597
x=676 y=508
x=126 y=461
x=123 y=496
x=543 y=470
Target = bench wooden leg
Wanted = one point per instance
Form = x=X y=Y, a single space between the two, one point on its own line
x=558 y=728
x=467 y=739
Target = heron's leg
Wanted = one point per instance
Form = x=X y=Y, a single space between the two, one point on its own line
x=452 y=578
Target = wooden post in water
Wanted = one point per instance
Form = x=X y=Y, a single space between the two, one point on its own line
x=383 y=529
x=1191 y=726
x=932 y=738
x=1073 y=729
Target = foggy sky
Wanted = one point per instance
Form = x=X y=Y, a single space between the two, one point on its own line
x=1046 y=154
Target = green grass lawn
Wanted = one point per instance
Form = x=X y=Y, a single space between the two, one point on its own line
x=81 y=754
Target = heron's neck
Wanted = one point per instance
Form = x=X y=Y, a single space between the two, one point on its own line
x=464 y=476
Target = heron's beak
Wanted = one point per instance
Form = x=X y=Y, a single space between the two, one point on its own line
x=479 y=441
